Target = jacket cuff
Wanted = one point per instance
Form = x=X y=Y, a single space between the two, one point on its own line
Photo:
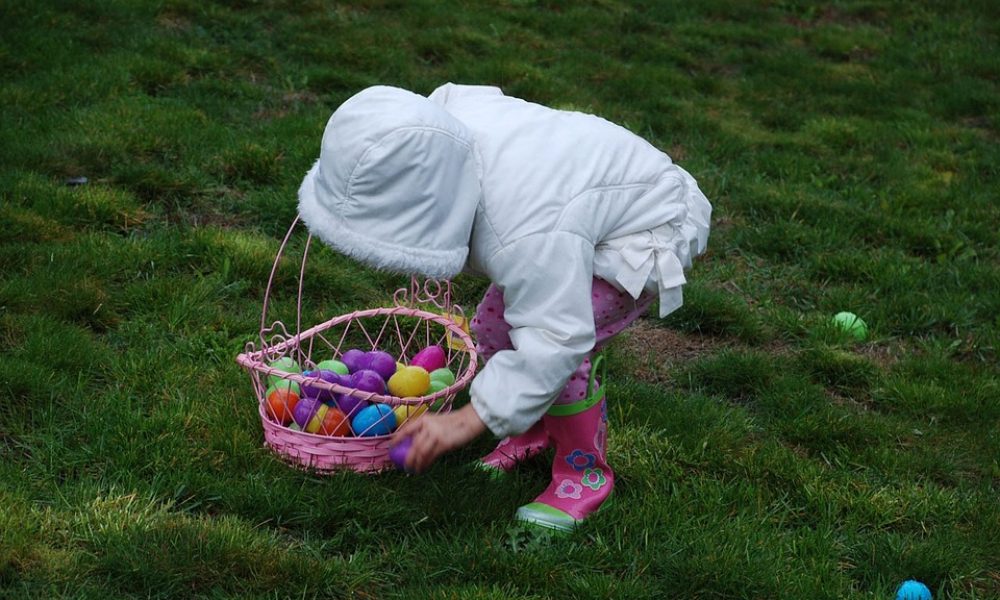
x=497 y=425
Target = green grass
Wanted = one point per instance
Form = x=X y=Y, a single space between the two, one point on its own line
x=851 y=153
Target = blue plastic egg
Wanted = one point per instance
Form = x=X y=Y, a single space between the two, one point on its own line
x=377 y=419
x=913 y=590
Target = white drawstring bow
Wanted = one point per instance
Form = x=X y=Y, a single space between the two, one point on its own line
x=642 y=254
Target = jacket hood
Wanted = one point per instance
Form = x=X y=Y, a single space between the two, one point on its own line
x=396 y=185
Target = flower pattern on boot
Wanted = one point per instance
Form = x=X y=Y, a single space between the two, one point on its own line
x=569 y=489
x=594 y=479
x=580 y=460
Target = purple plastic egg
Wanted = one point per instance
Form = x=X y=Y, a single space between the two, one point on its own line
x=355 y=360
x=304 y=411
x=399 y=452
x=368 y=381
x=382 y=363
x=350 y=405
x=365 y=381
x=315 y=391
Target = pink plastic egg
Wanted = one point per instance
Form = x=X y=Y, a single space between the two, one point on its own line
x=430 y=358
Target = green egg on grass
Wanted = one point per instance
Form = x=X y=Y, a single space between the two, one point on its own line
x=852 y=324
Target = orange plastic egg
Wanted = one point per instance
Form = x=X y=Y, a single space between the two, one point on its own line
x=335 y=423
x=281 y=402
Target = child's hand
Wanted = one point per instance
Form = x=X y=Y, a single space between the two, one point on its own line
x=433 y=435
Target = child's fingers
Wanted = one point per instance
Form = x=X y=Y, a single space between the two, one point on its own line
x=405 y=430
x=424 y=449
x=416 y=459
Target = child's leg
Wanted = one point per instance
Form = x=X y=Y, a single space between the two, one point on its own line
x=492 y=332
x=613 y=312
x=492 y=335
x=577 y=426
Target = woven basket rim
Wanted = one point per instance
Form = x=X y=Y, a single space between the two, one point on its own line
x=253 y=360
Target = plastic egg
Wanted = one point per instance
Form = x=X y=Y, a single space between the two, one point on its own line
x=305 y=414
x=364 y=381
x=912 y=589
x=354 y=360
x=315 y=391
x=281 y=401
x=430 y=358
x=382 y=363
x=285 y=384
x=852 y=324
x=335 y=423
x=444 y=375
x=377 y=419
x=350 y=405
x=409 y=382
x=398 y=453
x=436 y=386
x=404 y=412
x=286 y=364
x=367 y=381
x=320 y=418
x=333 y=365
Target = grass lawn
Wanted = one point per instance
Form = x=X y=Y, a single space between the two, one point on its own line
x=850 y=149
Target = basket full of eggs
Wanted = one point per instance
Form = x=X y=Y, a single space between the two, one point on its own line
x=330 y=395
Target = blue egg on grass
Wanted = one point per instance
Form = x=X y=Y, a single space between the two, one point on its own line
x=913 y=590
x=377 y=419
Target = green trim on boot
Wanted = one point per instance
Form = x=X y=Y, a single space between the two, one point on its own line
x=546 y=516
x=593 y=396
x=495 y=473
x=550 y=517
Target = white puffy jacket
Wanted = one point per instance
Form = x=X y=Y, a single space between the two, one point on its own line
x=539 y=200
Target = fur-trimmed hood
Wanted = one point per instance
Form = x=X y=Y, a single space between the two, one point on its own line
x=396 y=185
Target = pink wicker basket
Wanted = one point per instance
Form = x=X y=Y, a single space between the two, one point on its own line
x=421 y=315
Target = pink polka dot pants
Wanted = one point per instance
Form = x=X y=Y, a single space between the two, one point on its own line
x=613 y=312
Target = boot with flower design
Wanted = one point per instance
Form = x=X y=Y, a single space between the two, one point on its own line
x=581 y=477
x=514 y=449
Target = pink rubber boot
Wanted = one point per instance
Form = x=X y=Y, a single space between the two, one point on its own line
x=514 y=449
x=581 y=477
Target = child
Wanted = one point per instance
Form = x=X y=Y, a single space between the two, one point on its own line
x=578 y=223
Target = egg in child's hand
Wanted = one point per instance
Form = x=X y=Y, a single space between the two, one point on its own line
x=409 y=382
x=398 y=453
x=377 y=419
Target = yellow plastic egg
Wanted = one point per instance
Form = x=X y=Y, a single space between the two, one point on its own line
x=404 y=412
x=409 y=382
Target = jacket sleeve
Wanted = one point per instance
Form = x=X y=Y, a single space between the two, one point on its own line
x=546 y=279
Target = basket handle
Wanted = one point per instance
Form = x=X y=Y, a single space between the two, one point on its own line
x=264 y=328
